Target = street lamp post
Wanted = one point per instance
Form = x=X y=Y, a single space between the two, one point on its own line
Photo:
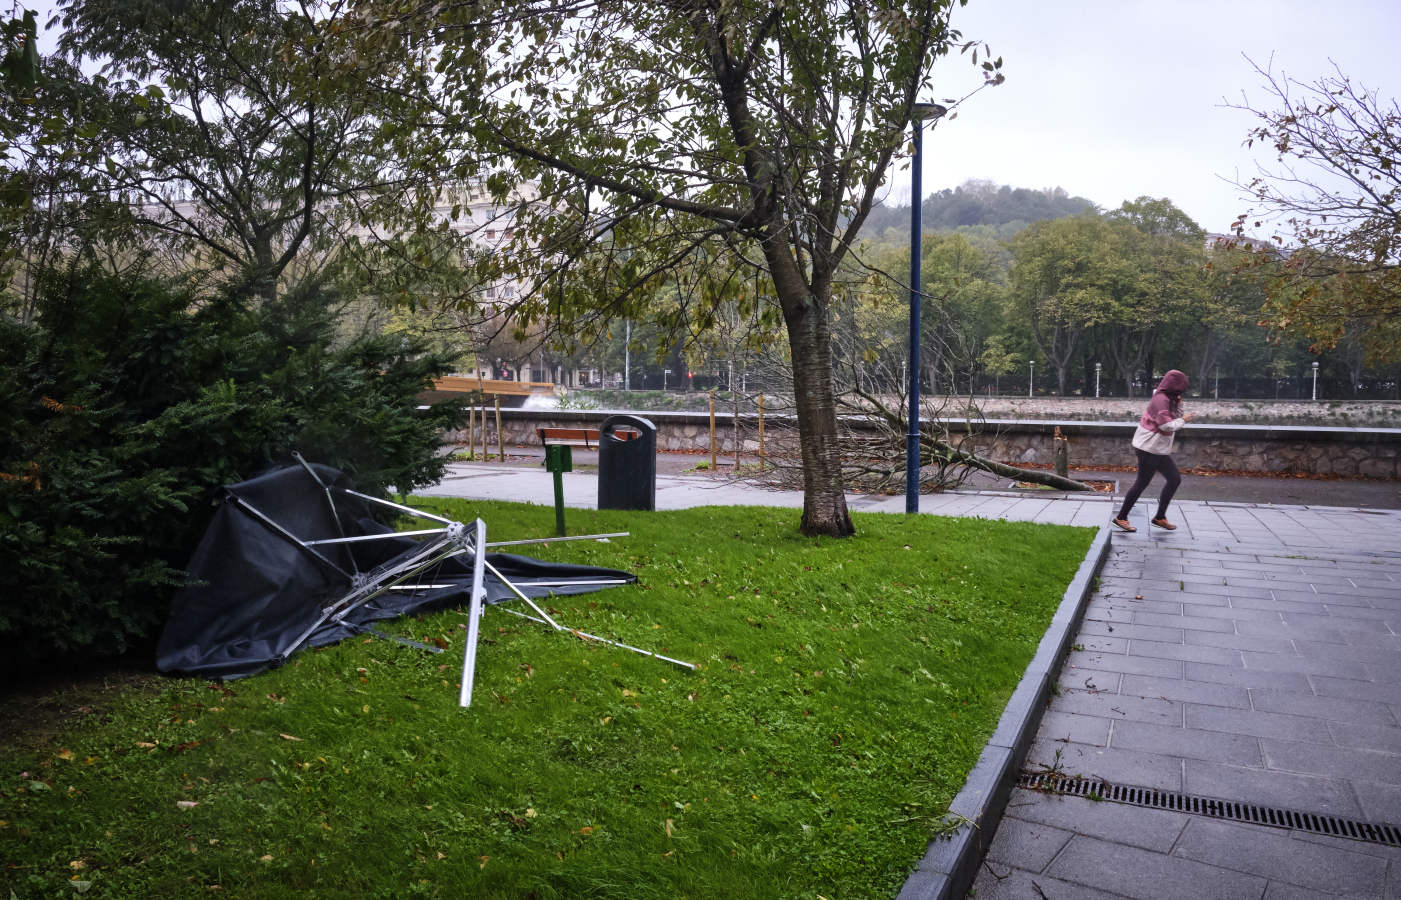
x=1315 y=379
x=665 y=372
x=918 y=113
x=1031 y=384
x=1097 y=368
x=627 y=357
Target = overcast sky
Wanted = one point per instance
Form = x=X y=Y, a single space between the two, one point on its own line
x=1113 y=99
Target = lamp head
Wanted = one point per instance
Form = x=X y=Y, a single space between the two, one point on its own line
x=920 y=111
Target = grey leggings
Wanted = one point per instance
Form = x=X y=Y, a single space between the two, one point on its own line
x=1148 y=464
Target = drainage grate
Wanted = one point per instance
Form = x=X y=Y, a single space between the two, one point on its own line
x=1231 y=810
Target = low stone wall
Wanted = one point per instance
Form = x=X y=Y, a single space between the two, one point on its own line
x=1283 y=449
x=1332 y=413
x=1292 y=449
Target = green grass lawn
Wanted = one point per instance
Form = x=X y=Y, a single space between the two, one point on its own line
x=845 y=689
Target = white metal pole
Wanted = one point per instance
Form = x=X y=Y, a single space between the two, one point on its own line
x=474 y=612
x=1031 y=385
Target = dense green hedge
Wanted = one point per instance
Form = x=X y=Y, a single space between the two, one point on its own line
x=129 y=401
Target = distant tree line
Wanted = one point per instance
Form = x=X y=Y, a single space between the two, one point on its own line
x=978 y=202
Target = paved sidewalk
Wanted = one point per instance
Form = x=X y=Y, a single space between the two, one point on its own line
x=531 y=484
x=1254 y=654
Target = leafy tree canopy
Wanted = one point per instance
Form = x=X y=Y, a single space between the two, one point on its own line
x=1336 y=186
x=690 y=143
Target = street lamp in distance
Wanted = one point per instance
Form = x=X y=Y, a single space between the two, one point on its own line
x=1315 y=379
x=1097 y=368
x=918 y=113
x=1031 y=384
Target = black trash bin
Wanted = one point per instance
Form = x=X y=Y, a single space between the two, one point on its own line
x=627 y=463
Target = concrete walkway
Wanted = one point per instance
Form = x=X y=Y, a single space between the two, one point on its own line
x=1254 y=654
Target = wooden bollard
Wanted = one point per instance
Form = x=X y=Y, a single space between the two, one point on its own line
x=500 y=441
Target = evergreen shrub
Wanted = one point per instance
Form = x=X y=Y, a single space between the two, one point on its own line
x=129 y=401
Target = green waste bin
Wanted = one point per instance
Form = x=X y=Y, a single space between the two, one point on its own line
x=627 y=463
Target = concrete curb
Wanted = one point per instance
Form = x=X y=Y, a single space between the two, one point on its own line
x=950 y=864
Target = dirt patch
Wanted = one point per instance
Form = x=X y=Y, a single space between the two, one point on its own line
x=37 y=709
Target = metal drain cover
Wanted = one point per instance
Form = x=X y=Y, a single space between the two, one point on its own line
x=1230 y=810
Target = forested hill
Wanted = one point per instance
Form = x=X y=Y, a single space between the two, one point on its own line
x=978 y=203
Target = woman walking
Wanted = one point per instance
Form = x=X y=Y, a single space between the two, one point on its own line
x=1152 y=441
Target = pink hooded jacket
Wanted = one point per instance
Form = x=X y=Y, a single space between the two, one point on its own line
x=1166 y=404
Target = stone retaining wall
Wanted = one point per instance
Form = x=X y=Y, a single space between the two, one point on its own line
x=1332 y=413
x=1350 y=452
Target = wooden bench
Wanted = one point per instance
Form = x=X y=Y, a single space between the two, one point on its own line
x=578 y=437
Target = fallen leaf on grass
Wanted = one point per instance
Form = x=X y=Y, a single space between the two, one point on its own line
x=670 y=827
x=186 y=804
x=65 y=754
x=145 y=744
x=482 y=861
x=288 y=737
x=586 y=830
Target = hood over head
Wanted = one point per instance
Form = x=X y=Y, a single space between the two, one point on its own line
x=1174 y=382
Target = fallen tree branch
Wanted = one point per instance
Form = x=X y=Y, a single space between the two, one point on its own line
x=943 y=453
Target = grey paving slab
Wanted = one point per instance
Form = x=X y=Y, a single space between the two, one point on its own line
x=1380 y=738
x=1325 y=709
x=1151 y=876
x=1380 y=803
x=1260 y=724
x=1251 y=679
x=1220 y=656
x=1109 y=628
x=1354 y=689
x=1237 y=641
x=1187 y=743
x=1118 y=707
x=1138 y=767
x=1075 y=728
x=1149 y=829
x=1188 y=691
x=1095 y=680
x=1182 y=620
x=1266 y=787
x=1277 y=855
x=1032 y=846
x=1124 y=662
x=1305 y=665
x=1336 y=762
x=997 y=882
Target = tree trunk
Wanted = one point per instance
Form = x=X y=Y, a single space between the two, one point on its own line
x=814 y=394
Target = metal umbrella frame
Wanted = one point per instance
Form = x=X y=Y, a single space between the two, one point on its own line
x=448 y=539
